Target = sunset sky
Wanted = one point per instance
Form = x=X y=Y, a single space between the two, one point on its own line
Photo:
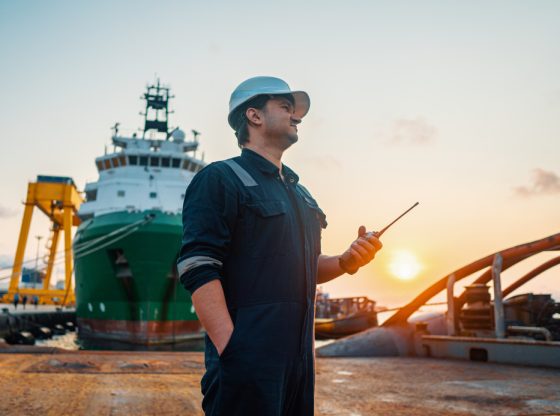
x=452 y=104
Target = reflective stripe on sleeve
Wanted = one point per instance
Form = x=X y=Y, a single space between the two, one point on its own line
x=192 y=262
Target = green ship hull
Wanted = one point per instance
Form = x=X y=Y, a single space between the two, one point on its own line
x=127 y=289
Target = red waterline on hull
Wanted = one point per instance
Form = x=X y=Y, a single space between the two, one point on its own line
x=139 y=332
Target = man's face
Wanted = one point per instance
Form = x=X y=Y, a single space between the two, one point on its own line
x=279 y=122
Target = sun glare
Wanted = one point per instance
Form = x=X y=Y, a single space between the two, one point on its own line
x=404 y=265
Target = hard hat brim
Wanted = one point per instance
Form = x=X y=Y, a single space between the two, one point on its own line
x=302 y=103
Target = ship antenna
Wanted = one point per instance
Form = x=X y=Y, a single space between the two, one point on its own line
x=156 y=115
x=195 y=134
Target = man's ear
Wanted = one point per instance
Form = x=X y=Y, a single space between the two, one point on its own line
x=254 y=116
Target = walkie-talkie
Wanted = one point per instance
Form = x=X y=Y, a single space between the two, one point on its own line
x=347 y=256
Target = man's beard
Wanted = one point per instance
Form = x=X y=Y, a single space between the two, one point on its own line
x=288 y=140
x=293 y=138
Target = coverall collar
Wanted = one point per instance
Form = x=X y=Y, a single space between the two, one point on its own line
x=268 y=167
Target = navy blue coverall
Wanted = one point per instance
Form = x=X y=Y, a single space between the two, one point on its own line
x=261 y=237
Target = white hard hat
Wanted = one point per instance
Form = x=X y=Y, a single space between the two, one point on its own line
x=266 y=85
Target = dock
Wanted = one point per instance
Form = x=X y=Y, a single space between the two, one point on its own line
x=14 y=321
x=51 y=381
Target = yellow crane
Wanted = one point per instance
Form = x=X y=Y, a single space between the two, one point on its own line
x=58 y=198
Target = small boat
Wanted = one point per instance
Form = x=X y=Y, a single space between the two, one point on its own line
x=340 y=317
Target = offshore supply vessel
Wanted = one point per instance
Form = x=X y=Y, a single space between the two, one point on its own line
x=126 y=247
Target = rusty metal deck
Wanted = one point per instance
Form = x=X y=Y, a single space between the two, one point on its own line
x=167 y=383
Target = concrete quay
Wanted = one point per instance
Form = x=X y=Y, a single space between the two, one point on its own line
x=13 y=321
x=50 y=381
x=29 y=308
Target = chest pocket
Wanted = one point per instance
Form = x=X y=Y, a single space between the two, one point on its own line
x=318 y=214
x=315 y=218
x=315 y=212
x=267 y=209
x=268 y=226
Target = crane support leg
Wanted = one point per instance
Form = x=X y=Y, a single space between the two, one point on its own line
x=67 y=250
x=52 y=255
x=22 y=242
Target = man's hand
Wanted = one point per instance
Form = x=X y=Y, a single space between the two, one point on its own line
x=210 y=305
x=360 y=252
x=223 y=341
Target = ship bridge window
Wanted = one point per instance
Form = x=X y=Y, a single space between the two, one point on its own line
x=91 y=195
x=122 y=159
x=143 y=160
x=153 y=194
x=107 y=164
x=115 y=161
x=120 y=193
x=187 y=164
x=154 y=161
x=165 y=162
x=133 y=160
x=176 y=163
x=99 y=165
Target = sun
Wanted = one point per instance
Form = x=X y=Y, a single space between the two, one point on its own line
x=404 y=265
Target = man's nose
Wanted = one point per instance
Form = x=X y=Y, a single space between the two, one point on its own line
x=295 y=119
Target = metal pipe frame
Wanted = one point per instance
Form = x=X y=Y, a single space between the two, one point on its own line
x=510 y=257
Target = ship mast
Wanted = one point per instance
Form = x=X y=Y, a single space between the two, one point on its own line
x=157 y=112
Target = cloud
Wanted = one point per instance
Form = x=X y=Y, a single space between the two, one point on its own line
x=409 y=131
x=7 y=212
x=543 y=183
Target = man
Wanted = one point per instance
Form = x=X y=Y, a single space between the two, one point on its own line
x=251 y=258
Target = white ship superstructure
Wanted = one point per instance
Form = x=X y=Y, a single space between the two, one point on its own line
x=144 y=173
